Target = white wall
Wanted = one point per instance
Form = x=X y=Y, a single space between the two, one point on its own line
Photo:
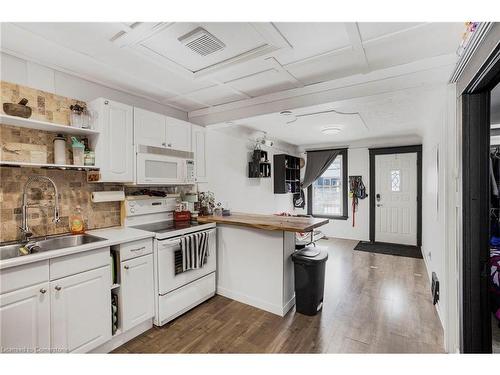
x=27 y=73
x=434 y=201
x=228 y=154
x=358 y=164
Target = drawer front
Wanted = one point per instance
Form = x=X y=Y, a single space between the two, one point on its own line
x=76 y=263
x=136 y=249
x=177 y=302
x=22 y=276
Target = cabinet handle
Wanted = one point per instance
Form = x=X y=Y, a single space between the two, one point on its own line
x=43 y=290
x=169 y=145
x=58 y=287
x=164 y=144
x=139 y=249
x=106 y=102
x=126 y=267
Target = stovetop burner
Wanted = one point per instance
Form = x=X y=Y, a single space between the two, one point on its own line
x=166 y=226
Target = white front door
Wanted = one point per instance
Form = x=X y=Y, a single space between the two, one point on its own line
x=396 y=198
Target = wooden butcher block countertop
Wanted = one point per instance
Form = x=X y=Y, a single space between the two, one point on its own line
x=267 y=222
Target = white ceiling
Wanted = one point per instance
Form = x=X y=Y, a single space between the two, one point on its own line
x=395 y=114
x=259 y=59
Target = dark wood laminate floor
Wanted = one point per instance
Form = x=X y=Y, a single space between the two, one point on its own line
x=374 y=303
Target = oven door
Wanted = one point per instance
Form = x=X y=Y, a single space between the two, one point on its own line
x=168 y=251
x=160 y=169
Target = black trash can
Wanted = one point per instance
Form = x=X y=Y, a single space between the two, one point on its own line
x=309 y=264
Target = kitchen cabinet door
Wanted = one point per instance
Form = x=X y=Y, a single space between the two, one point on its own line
x=149 y=128
x=81 y=311
x=137 y=303
x=25 y=320
x=198 y=143
x=114 y=147
x=178 y=134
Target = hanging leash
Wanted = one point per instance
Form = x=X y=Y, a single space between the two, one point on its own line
x=357 y=191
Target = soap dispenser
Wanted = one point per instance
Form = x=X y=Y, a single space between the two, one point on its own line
x=76 y=224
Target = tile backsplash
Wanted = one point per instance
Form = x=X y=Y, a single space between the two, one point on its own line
x=72 y=185
x=73 y=190
x=45 y=106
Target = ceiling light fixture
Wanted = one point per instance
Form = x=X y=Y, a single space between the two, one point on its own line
x=330 y=130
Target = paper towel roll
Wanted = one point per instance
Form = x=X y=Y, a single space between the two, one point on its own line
x=108 y=196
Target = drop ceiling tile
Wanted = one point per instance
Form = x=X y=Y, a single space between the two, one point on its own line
x=370 y=30
x=262 y=83
x=184 y=103
x=238 y=38
x=428 y=41
x=311 y=38
x=326 y=68
x=216 y=95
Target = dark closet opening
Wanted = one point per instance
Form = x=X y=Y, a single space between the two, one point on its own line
x=476 y=307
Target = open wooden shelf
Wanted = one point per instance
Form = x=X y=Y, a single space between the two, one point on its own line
x=48 y=166
x=45 y=126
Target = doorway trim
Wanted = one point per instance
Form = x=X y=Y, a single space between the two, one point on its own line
x=396 y=150
x=475 y=323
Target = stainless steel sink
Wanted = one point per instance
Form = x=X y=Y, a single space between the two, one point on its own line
x=48 y=244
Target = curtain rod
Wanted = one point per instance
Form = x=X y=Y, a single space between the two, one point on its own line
x=327 y=149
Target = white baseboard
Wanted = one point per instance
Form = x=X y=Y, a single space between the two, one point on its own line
x=255 y=302
x=122 y=338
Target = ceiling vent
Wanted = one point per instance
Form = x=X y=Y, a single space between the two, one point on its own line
x=200 y=41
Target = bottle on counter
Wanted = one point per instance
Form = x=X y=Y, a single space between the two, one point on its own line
x=76 y=224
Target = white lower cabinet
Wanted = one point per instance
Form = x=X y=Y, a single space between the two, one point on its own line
x=81 y=311
x=25 y=320
x=137 y=303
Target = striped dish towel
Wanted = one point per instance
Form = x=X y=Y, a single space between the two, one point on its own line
x=194 y=248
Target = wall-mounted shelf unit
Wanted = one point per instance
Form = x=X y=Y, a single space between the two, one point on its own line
x=286 y=174
x=45 y=126
x=48 y=166
x=260 y=166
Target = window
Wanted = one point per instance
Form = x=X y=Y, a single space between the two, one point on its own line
x=396 y=180
x=327 y=196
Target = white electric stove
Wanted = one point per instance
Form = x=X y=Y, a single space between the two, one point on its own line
x=175 y=291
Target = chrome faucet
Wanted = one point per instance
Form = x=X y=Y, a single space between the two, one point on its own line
x=25 y=230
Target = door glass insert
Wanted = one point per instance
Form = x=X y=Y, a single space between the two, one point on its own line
x=396 y=180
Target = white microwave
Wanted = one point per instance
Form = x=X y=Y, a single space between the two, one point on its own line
x=158 y=166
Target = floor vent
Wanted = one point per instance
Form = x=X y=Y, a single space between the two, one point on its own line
x=200 y=41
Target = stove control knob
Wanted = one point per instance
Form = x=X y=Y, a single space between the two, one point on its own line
x=132 y=210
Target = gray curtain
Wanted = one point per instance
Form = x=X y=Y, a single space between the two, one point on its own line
x=317 y=163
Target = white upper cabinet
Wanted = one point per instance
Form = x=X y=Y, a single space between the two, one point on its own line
x=155 y=129
x=198 y=143
x=25 y=319
x=114 y=148
x=178 y=134
x=81 y=311
x=149 y=128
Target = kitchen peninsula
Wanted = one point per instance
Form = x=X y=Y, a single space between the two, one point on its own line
x=254 y=258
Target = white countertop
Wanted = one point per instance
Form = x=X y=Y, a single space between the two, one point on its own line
x=113 y=236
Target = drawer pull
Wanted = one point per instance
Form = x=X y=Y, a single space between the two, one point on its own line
x=43 y=290
x=139 y=249
x=58 y=287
